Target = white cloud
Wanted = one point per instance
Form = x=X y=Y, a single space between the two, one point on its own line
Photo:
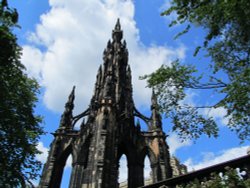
x=73 y=35
x=33 y=59
x=172 y=16
x=210 y=158
x=218 y=114
x=175 y=143
x=43 y=156
x=189 y=99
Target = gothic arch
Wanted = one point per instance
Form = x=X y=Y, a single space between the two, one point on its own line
x=129 y=149
x=59 y=165
x=135 y=168
x=119 y=165
x=112 y=134
x=147 y=151
x=122 y=149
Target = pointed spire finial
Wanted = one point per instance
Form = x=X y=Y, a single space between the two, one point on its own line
x=82 y=124
x=118 y=25
x=124 y=43
x=72 y=94
x=138 y=122
x=100 y=69
x=99 y=77
x=66 y=118
x=70 y=103
x=128 y=68
x=128 y=73
x=156 y=116
x=117 y=32
x=153 y=98
x=138 y=125
x=109 y=44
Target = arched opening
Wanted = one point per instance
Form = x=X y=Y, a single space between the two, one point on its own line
x=148 y=158
x=59 y=168
x=147 y=171
x=123 y=171
x=67 y=172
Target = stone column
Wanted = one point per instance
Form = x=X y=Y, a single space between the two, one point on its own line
x=135 y=174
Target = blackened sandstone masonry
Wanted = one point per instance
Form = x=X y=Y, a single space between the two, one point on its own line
x=108 y=132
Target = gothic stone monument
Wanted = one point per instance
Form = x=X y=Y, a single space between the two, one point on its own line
x=109 y=131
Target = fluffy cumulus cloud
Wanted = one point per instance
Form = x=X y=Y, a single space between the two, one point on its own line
x=210 y=158
x=173 y=16
x=175 y=143
x=218 y=114
x=66 y=49
x=42 y=157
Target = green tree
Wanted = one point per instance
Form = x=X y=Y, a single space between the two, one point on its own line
x=229 y=179
x=19 y=127
x=227 y=43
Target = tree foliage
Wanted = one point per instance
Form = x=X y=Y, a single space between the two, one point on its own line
x=19 y=127
x=230 y=179
x=227 y=42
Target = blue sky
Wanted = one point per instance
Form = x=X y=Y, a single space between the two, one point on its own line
x=63 y=44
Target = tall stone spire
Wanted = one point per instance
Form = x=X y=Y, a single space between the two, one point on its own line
x=114 y=79
x=66 y=118
x=98 y=84
x=108 y=132
x=156 y=116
